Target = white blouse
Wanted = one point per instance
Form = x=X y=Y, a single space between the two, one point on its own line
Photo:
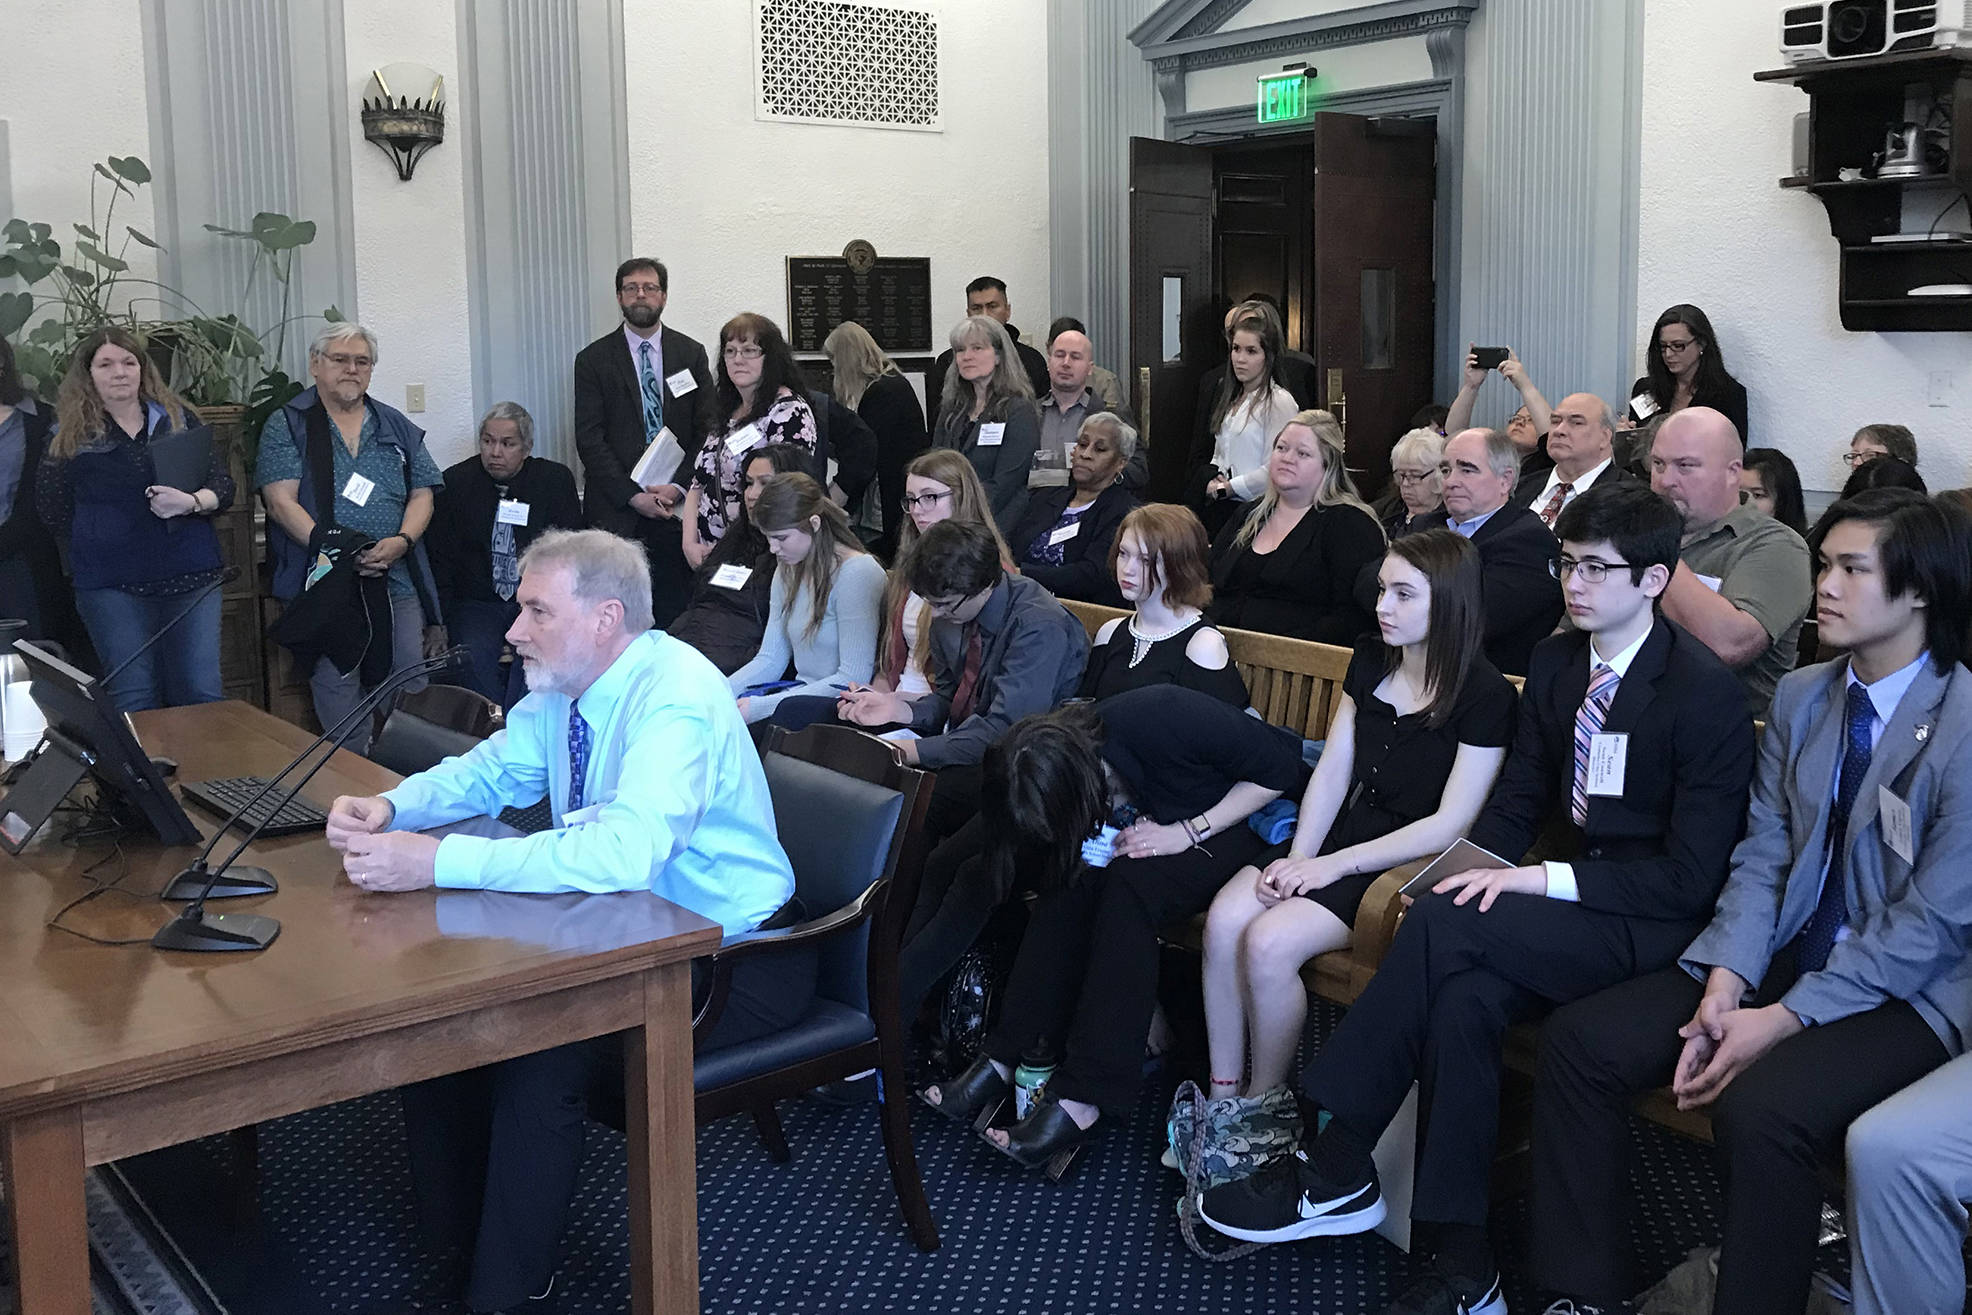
x=1247 y=435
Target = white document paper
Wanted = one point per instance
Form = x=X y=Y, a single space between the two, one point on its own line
x=660 y=460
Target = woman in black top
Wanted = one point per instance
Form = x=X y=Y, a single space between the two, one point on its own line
x=728 y=612
x=867 y=380
x=1159 y=563
x=1289 y=566
x=1184 y=771
x=1684 y=368
x=1064 y=537
x=1419 y=735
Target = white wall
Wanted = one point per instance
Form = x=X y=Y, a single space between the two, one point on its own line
x=1716 y=231
x=722 y=197
x=54 y=139
x=410 y=237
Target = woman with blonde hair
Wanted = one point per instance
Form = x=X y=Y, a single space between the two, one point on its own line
x=988 y=413
x=825 y=600
x=1289 y=565
x=868 y=382
x=136 y=547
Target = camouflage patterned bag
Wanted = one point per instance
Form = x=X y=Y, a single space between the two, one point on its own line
x=1217 y=1141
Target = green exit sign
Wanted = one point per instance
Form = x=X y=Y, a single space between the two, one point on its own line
x=1283 y=97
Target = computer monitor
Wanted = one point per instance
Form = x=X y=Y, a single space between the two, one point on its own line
x=87 y=736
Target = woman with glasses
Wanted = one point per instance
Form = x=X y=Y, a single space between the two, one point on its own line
x=1421 y=699
x=1289 y=565
x=1419 y=501
x=138 y=549
x=988 y=413
x=1684 y=367
x=762 y=399
x=1881 y=440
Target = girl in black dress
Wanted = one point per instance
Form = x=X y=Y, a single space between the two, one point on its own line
x=1420 y=732
x=1160 y=563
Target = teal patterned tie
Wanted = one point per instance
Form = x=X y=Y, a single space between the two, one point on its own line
x=653 y=393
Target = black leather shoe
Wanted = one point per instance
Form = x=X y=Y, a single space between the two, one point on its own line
x=1048 y=1136
x=974 y=1096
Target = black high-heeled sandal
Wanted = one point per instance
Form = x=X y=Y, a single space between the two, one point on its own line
x=1048 y=1136
x=974 y=1096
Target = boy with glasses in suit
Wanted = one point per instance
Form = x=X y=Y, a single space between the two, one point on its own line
x=1632 y=739
x=1834 y=970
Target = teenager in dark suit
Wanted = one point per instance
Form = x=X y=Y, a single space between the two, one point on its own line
x=1834 y=970
x=1523 y=601
x=630 y=383
x=1630 y=738
x=492 y=506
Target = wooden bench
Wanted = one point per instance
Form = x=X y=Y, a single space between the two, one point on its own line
x=1297 y=684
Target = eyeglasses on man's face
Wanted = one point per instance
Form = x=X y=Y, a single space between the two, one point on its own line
x=344 y=361
x=913 y=501
x=641 y=289
x=1592 y=570
x=1863 y=456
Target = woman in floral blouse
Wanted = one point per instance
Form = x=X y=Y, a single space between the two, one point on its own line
x=762 y=400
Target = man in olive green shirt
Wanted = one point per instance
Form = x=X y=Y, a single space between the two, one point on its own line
x=1744 y=582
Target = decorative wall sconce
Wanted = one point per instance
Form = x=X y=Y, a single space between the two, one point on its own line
x=404 y=113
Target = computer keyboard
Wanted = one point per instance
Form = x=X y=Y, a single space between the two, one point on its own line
x=224 y=795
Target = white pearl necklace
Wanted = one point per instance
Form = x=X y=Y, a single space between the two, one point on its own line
x=1142 y=643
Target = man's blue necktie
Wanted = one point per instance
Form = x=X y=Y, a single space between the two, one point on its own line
x=578 y=758
x=1832 y=910
x=653 y=393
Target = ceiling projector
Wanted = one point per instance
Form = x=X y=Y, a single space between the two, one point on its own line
x=1856 y=29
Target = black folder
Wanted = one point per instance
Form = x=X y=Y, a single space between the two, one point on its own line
x=182 y=458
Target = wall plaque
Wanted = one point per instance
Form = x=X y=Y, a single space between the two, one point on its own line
x=892 y=301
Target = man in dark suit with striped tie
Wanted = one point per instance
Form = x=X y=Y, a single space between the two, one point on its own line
x=1634 y=756
x=629 y=384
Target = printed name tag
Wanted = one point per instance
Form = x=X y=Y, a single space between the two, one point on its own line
x=1711 y=582
x=1643 y=406
x=1896 y=824
x=993 y=435
x=512 y=512
x=1066 y=532
x=742 y=439
x=1608 y=753
x=680 y=383
x=732 y=576
x=358 y=490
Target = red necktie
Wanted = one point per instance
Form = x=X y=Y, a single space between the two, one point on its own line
x=962 y=698
x=1552 y=512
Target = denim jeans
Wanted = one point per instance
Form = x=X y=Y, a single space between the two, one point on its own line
x=482 y=627
x=182 y=667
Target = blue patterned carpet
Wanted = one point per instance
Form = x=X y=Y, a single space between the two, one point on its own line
x=823 y=1234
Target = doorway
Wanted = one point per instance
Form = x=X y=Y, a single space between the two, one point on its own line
x=1336 y=224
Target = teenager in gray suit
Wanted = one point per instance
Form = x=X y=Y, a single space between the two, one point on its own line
x=1834 y=971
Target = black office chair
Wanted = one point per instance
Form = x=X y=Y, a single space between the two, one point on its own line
x=851 y=818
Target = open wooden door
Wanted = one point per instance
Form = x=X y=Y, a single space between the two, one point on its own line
x=1171 y=209
x=1375 y=184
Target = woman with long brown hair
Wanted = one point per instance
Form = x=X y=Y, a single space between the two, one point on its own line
x=826 y=596
x=762 y=399
x=1418 y=736
x=1251 y=406
x=137 y=548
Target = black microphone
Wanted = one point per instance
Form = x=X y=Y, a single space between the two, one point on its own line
x=226 y=577
x=191 y=929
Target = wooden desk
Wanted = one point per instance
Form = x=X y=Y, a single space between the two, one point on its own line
x=108 y=1052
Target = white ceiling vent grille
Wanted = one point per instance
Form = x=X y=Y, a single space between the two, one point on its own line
x=842 y=61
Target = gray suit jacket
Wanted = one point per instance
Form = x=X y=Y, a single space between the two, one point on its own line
x=1910 y=922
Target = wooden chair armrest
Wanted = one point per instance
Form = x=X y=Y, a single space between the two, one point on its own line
x=1377 y=917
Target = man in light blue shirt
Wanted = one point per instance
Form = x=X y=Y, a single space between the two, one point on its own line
x=654 y=785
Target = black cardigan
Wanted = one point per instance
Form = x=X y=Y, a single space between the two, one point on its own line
x=1084 y=574
x=460 y=541
x=1305 y=588
x=1729 y=397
